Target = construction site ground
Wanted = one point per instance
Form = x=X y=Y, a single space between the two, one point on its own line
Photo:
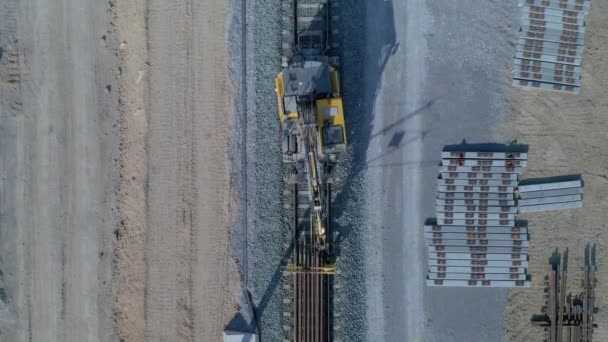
x=140 y=164
x=566 y=134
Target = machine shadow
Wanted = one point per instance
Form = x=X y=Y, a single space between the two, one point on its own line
x=361 y=88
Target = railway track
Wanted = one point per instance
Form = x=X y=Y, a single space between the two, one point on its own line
x=310 y=311
x=308 y=279
x=302 y=15
x=309 y=283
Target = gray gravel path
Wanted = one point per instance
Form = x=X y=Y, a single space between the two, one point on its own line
x=443 y=83
x=470 y=52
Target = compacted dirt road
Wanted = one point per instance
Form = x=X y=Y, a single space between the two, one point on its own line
x=188 y=201
x=175 y=277
x=58 y=167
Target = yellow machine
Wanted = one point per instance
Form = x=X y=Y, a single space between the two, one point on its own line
x=328 y=110
x=312 y=120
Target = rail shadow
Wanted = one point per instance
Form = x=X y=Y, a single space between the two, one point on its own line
x=514 y=146
x=555 y=261
x=590 y=253
x=404 y=118
x=553 y=179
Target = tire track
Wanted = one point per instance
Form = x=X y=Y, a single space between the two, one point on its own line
x=129 y=253
x=168 y=110
x=188 y=270
x=215 y=283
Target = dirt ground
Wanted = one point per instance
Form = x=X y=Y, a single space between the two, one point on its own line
x=129 y=264
x=566 y=134
x=57 y=153
x=175 y=278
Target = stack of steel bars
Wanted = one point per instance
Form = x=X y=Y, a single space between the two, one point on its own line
x=574 y=313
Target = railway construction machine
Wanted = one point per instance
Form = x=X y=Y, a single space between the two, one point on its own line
x=313 y=133
x=312 y=120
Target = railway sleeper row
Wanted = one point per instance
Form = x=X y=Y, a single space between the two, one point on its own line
x=307 y=312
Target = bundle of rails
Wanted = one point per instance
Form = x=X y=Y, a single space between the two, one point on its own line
x=575 y=313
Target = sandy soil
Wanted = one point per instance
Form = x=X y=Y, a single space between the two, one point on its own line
x=176 y=279
x=566 y=134
x=129 y=263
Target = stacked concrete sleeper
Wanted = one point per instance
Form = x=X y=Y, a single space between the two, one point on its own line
x=475 y=239
x=551 y=195
x=550 y=45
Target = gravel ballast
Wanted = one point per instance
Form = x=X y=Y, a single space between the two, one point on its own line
x=260 y=183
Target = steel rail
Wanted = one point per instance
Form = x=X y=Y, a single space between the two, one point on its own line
x=311 y=295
